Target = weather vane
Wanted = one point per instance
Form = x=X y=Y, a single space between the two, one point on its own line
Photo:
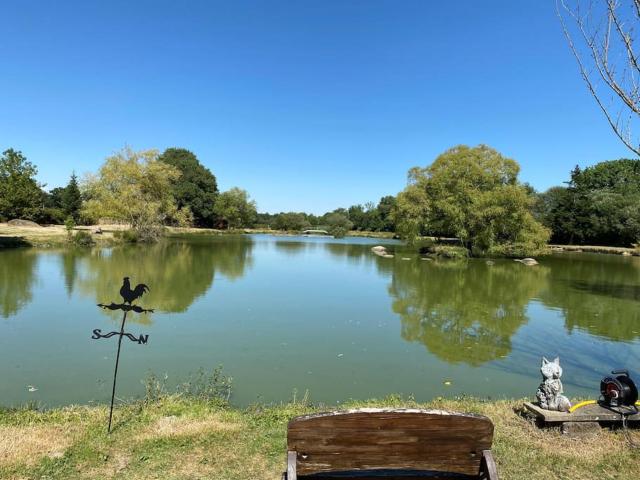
x=128 y=296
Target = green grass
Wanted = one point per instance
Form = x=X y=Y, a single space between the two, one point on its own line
x=177 y=437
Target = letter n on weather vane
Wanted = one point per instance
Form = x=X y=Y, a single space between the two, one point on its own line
x=128 y=295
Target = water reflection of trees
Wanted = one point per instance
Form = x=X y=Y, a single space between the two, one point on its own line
x=354 y=253
x=17 y=274
x=599 y=294
x=293 y=247
x=463 y=312
x=178 y=272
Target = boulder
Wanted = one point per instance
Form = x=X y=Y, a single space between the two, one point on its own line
x=529 y=262
x=379 y=250
x=18 y=222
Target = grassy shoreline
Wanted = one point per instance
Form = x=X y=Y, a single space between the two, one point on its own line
x=56 y=236
x=181 y=438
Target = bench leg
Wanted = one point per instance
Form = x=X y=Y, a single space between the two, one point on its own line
x=291 y=474
x=488 y=470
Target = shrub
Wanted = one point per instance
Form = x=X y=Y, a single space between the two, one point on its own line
x=451 y=251
x=518 y=250
x=211 y=386
x=127 y=236
x=69 y=224
x=83 y=239
x=49 y=216
x=337 y=231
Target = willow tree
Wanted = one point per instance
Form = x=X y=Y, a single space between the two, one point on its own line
x=135 y=188
x=602 y=37
x=472 y=194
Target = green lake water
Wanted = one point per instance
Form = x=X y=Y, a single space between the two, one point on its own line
x=285 y=314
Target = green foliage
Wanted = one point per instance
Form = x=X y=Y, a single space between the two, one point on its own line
x=209 y=386
x=82 y=238
x=136 y=188
x=291 y=221
x=234 y=209
x=127 y=236
x=48 y=215
x=203 y=385
x=338 y=224
x=600 y=206
x=69 y=224
x=71 y=201
x=385 y=208
x=20 y=194
x=472 y=194
x=450 y=251
x=196 y=188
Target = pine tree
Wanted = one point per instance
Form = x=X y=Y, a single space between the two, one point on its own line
x=71 y=199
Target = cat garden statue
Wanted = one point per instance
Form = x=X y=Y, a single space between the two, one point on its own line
x=550 y=390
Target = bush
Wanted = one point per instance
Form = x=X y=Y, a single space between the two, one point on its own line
x=83 y=239
x=211 y=386
x=127 y=236
x=149 y=233
x=49 y=216
x=450 y=251
x=69 y=224
x=337 y=231
x=517 y=250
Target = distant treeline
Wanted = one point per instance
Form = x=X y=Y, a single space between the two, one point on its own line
x=368 y=217
x=600 y=205
x=470 y=193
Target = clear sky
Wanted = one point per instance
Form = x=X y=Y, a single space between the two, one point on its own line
x=309 y=105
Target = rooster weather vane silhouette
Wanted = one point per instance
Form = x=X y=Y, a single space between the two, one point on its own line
x=129 y=296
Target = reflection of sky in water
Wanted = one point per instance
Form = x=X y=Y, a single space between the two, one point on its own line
x=284 y=313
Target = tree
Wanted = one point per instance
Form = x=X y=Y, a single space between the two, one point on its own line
x=291 y=221
x=196 y=187
x=385 y=209
x=54 y=198
x=602 y=37
x=20 y=193
x=233 y=209
x=556 y=211
x=474 y=195
x=338 y=223
x=71 y=199
x=601 y=205
x=358 y=217
x=136 y=188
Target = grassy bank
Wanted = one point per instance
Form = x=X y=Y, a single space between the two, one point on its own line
x=180 y=438
x=50 y=236
x=597 y=249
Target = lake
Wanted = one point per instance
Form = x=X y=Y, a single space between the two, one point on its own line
x=290 y=314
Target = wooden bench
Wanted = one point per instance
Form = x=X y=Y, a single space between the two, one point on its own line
x=393 y=444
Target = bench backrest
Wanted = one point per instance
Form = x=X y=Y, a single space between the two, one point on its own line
x=372 y=439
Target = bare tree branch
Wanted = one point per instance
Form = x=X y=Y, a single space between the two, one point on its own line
x=605 y=55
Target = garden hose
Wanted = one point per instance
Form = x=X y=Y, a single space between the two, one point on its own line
x=589 y=402
x=581 y=404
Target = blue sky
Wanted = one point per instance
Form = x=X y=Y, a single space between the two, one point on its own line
x=309 y=105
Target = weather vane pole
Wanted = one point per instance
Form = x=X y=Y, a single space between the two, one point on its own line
x=128 y=296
